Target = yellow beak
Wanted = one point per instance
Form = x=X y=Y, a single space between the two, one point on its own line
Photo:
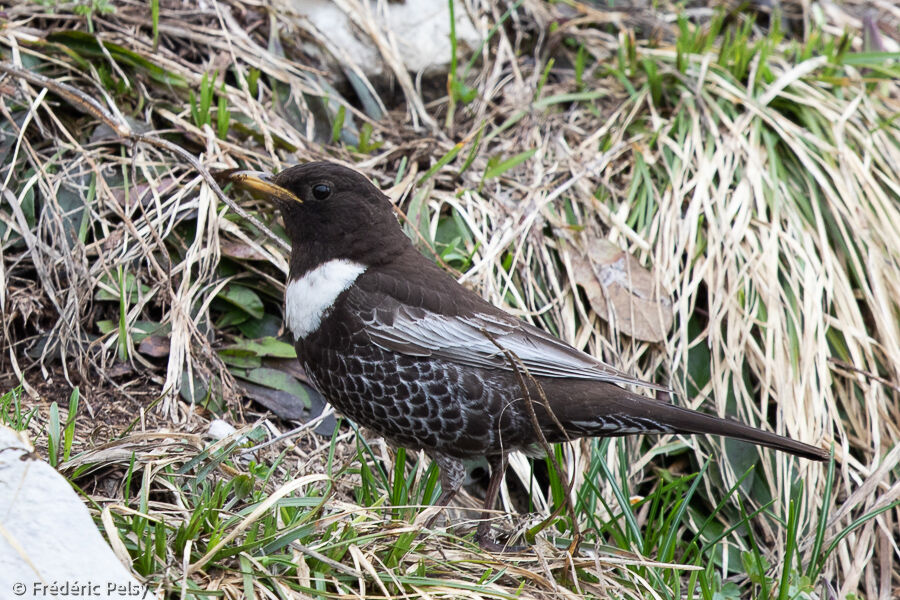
x=257 y=183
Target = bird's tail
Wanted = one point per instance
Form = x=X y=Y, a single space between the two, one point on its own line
x=620 y=412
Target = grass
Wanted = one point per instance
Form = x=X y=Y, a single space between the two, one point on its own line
x=749 y=166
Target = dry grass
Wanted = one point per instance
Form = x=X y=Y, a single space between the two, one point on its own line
x=764 y=202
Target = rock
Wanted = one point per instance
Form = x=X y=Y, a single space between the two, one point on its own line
x=50 y=546
x=219 y=429
x=419 y=28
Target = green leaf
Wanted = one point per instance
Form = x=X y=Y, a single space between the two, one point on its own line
x=508 y=164
x=230 y=316
x=256 y=328
x=72 y=204
x=86 y=45
x=275 y=379
x=755 y=566
x=462 y=92
x=253 y=81
x=154 y=18
x=440 y=163
x=267 y=346
x=112 y=294
x=206 y=94
x=243 y=298
x=243 y=486
x=338 y=126
x=138 y=330
x=69 y=431
x=223 y=116
x=195 y=109
x=729 y=591
x=193 y=389
x=242 y=359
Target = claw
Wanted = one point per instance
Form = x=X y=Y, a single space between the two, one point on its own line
x=487 y=542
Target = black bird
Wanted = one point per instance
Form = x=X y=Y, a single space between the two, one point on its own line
x=397 y=345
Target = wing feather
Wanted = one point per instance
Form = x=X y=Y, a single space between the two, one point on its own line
x=417 y=331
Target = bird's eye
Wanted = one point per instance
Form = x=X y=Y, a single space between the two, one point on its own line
x=321 y=191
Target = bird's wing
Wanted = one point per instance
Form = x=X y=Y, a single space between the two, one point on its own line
x=472 y=339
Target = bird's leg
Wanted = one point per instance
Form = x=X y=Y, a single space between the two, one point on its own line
x=498 y=468
x=483 y=535
x=453 y=473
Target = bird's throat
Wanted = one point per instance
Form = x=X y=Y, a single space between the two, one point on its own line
x=310 y=296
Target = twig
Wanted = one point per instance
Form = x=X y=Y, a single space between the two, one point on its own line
x=868 y=374
x=518 y=369
x=81 y=100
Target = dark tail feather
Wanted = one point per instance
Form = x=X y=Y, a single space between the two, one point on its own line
x=629 y=413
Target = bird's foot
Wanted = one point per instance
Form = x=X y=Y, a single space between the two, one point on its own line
x=487 y=542
x=430 y=522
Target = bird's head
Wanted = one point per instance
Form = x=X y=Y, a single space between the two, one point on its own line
x=329 y=211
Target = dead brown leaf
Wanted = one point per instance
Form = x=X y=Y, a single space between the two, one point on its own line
x=240 y=250
x=156 y=346
x=622 y=291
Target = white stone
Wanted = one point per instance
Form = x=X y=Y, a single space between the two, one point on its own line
x=219 y=429
x=47 y=536
x=421 y=29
